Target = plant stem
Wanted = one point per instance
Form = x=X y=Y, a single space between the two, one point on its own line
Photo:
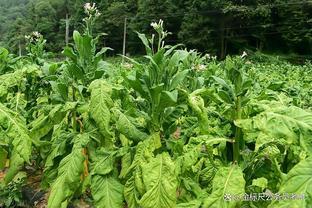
x=74 y=122
x=238 y=131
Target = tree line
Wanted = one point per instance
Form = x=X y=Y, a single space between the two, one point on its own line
x=218 y=27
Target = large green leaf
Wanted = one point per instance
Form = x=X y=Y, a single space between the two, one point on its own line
x=298 y=182
x=107 y=191
x=15 y=78
x=134 y=186
x=68 y=180
x=69 y=173
x=160 y=182
x=15 y=128
x=176 y=58
x=131 y=193
x=100 y=105
x=177 y=79
x=41 y=126
x=196 y=102
x=146 y=43
x=103 y=163
x=228 y=180
x=58 y=147
x=83 y=45
x=127 y=128
x=292 y=123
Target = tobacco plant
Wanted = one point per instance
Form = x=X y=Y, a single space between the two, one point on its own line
x=179 y=129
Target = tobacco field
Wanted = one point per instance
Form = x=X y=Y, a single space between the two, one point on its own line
x=174 y=128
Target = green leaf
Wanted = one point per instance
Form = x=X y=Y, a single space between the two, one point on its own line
x=292 y=123
x=225 y=97
x=58 y=147
x=167 y=99
x=222 y=83
x=228 y=180
x=260 y=182
x=177 y=79
x=125 y=164
x=103 y=163
x=134 y=80
x=134 y=186
x=69 y=172
x=127 y=128
x=146 y=43
x=144 y=151
x=100 y=105
x=70 y=53
x=191 y=204
x=175 y=59
x=17 y=131
x=160 y=182
x=83 y=44
x=298 y=181
x=41 y=126
x=131 y=193
x=107 y=192
x=15 y=78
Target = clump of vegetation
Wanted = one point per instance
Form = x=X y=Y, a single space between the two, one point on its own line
x=178 y=129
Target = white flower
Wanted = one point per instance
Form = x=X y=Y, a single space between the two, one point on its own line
x=36 y=34
x=97 y=13
x=88 y=7
x=161 y=22
x=244 y=54
x=208 y=56
x=91 y=9
x=154 y=25
x=202 y=67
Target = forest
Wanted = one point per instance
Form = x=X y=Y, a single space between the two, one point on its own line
x=218 y=27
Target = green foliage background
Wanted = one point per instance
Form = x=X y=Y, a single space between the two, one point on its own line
x=217 y=26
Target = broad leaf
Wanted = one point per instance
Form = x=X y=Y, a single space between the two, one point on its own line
x=127 y=128
x=160 y=182
x=228 y=181
x=99 y=108
x=107 y=191
x=299 y=183
x=292 y=123
x=15 y=128
x=69 y=175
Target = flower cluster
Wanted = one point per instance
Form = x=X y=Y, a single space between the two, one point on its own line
x=159 y=28
x=209 y=57
x=158 y=25
x=199 y=67
x=34 y=37
x=91 y=10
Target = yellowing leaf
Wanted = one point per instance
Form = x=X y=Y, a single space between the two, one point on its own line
x=160 y=182
x=228 y=180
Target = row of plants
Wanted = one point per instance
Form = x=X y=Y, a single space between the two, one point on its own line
x=179 y=129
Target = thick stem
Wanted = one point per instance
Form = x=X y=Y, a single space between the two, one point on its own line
x=85 y=163
x=238 y=131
